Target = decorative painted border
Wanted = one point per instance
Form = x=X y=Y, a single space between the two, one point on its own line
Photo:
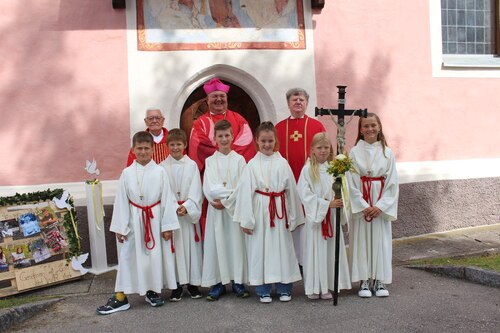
x=143 y=45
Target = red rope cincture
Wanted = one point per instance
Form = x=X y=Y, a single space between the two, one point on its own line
x=196 y=237
x=147 y=215
x=366 y=182
x=326 y=226
x=273 y=211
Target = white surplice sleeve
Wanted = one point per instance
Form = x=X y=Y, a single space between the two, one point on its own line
x=121 y=208
x=169 y=205
x=294 y=206
x=194 y=198
x=388 y=202
x=244 y=193
x=315 y=206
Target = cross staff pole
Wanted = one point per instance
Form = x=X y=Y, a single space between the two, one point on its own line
x=341 y=112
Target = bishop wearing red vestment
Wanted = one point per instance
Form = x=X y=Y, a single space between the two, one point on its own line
x=202 y=143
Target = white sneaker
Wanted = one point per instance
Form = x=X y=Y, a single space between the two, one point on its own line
x=313 y=296
x=379 y=289
x=364 y=290
x=328 y=295
x=265 y=299
x=285 y=298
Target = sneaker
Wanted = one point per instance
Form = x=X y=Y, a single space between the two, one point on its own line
x=240 y=290
x=176 y=294
x=364 y=290
x=328 y=295
x=313 y=296
x=216 y=291
x=154 y=299
x=113 y=305
x=379 y=289
x=285 y=298
x=266 y=299
x=194 y=292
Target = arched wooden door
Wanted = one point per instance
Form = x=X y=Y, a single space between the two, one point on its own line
x=238 y=101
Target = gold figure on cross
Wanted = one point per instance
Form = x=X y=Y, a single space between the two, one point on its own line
x=296 y=136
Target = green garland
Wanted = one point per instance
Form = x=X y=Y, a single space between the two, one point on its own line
x=36 y=197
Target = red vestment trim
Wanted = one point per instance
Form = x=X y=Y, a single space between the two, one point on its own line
x=147 y=215
x=196 y=237
x=366 y=182
x=273 y=210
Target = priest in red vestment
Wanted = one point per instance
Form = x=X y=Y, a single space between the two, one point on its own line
x=202 y=143
x=295 y=133
x=154 y=122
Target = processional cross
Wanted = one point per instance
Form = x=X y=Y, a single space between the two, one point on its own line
x=341 y=112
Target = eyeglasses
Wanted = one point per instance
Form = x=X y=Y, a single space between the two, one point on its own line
x=152 y=118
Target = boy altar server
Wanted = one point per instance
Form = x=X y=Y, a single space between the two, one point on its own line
x=143 y=220
x=185 y=182
x=224 y=259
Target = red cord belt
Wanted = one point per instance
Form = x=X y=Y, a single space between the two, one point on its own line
x=326 y=226
x=147 y=215
x=273 y=211
x=366 y=182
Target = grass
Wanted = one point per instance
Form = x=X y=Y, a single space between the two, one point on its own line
x=489 y=262
x=15 y=301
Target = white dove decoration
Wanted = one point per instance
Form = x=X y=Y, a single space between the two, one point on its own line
x=76 y=263
x=63 y=201
x=91 y=167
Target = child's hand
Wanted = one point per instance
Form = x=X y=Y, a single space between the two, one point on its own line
x=247 y=231
x=166 y=235
x=121 y=238
x=217 y=204
x=336 y=203
x=181 y=211
x=371 y=212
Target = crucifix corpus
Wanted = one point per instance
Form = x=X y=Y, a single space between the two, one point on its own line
x=340 y=113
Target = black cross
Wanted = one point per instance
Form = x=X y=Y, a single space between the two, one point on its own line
x=340 y=113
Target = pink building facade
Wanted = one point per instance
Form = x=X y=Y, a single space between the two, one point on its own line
x=74 y=87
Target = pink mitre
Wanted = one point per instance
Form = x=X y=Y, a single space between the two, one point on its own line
x=215 y=85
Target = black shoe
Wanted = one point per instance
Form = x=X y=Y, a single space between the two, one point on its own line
x=176 y=295
x=216 y=291
x=240 y=290
x=113 y=305
x=194 y=292
x=154 y=299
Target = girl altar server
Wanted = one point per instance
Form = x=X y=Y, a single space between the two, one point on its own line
x=315 y=191
x=374 y=202
x=185 y=183
x=224 y=256
x=268 y=209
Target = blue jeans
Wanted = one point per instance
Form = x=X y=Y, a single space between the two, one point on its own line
x=281 y=288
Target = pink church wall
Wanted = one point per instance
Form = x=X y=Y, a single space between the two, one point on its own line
x=381 y=51
x=63 y=90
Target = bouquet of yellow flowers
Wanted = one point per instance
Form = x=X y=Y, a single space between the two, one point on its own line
x=340 y=165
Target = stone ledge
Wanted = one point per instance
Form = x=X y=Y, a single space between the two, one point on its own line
x=12 y=316
x=472 y=274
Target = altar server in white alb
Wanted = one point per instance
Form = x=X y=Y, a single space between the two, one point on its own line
x=374 y=202
x=315 y=191
x=185 y=183
x=143 y=221
x=268 y=209
x=224 y=257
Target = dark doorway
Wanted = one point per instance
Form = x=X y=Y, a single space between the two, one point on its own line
x=238 y=101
